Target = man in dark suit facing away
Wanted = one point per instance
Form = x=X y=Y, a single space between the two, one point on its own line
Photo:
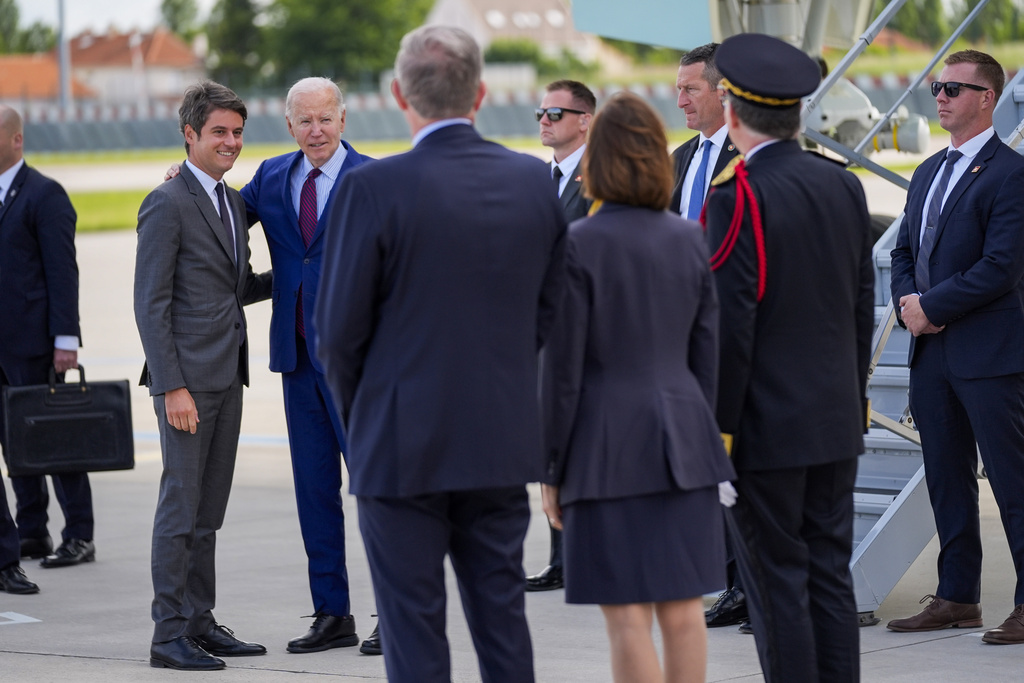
x=564 y=116
x=442 y=271
x=957 y=273
x=192 y=277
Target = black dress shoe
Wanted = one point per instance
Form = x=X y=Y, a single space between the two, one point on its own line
x=729 y=609
x=221 y=641
x=746 y=628
x=371 y=646
x=13 y=580
x=36 y=548
x=71 y=552
x=183 y=653
x=327 y=631
x=548 y=580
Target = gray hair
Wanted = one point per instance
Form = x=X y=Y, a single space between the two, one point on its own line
x=201 y=100
x=438 y=70
x=313 y=85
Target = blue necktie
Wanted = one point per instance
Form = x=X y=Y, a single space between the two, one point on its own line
x=697 y=191
x=922 y=276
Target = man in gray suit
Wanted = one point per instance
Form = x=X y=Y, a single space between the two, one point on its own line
x=192 y=277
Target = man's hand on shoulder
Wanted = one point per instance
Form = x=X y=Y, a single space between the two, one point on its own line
x=914 y=317
x=172 y=172
x=181 y=410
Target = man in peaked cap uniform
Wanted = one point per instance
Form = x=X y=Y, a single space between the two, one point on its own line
x=789 y=234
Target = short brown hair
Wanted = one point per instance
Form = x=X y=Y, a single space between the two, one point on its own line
x=626 y=159
x=989 y=71
x=582 y=96
x=201 y=100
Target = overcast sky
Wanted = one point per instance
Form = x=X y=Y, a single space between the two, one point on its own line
x=98 y=15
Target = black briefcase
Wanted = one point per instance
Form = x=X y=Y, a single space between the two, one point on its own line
x=58 y=428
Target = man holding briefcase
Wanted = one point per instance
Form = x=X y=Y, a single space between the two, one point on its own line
x=39 y=329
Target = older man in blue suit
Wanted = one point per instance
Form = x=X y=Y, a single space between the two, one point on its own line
x=957 y=274
x=441 y=276
x=288 y=195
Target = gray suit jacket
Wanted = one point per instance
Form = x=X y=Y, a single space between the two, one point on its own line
x=189 y=292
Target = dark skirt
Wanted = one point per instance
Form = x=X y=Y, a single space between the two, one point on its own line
x=653 y=548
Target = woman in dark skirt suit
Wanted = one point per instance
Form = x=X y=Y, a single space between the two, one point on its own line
x=635 y=454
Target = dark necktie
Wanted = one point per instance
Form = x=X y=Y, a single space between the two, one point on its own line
x=697 y=190
x=556 y=175
x=307 y=226
x=922 y=276
x=225 y=219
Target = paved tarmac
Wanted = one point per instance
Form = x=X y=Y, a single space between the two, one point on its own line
x=91 y=623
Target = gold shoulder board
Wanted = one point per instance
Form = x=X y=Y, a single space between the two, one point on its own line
x=728 y=172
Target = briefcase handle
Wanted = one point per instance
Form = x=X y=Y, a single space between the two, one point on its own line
x=81 y=379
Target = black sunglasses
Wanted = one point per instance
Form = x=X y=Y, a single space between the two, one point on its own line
x=555 y=113
x=952 y=88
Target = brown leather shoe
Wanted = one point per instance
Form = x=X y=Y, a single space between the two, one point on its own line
x=1011 y=632
x=939 y=614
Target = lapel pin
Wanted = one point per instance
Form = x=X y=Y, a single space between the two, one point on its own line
x=578 y=179
x=975 y=169
x=732 y=147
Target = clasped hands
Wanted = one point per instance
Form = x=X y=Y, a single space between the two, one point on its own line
x=914 y=318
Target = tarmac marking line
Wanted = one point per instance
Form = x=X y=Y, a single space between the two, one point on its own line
x=8 y=618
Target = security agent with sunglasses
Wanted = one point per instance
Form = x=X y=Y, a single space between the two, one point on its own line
x=564 y=116
x=957 y=273
x=789 y=234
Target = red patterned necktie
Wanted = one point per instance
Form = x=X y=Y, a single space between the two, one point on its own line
x=307 y=226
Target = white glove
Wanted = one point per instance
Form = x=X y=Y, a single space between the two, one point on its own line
x=727 y=494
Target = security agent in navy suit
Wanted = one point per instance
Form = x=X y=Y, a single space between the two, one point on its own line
x=564 y=116
x=962 y=297
x=192 y=278
x=696 y=81
x=38 y=330
x=696 y=163
x=793 y=268
x=441 y=275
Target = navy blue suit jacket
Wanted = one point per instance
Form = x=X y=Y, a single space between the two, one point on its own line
x=683 y=155
x=38 y=272
x=574 y=200
x=441 y=275
x=632 y=364
x=268 y=199
x=976 y=264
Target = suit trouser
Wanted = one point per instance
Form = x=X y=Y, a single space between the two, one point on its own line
x=31 y=494
x=10 y=550
x=482 y=531
x=952 y=414
x=194 y=488
x=793 y=537
x=315 y=438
